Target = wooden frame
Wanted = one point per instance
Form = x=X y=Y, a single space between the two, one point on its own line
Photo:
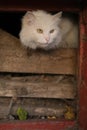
x=82 y=81
x=82 y=86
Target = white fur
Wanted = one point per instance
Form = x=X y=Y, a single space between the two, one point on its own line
x=64 y=31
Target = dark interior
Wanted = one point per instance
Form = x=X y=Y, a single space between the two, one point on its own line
x=10 y=21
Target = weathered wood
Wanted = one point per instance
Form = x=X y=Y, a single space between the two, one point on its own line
x=14 y=58
x=35 y=107
x=39 y=88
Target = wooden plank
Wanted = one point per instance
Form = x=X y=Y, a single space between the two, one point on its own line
x=82 y=88
x=39 y=125
x=35 y=107
x=41 y=89
x=33 y=5
x=14 y=58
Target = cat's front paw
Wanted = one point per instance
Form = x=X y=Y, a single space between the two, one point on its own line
x=63 y=44
x=29 y=51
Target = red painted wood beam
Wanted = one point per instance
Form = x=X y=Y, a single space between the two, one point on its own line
x=23 y=5
x=37 y=125
x=82 y=89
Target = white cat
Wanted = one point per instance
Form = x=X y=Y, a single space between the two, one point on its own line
x=44 y=30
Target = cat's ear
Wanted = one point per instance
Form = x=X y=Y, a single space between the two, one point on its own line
x=57 y=17
x=29 y=17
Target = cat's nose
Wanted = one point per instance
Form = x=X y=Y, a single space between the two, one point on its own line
x=47 y=39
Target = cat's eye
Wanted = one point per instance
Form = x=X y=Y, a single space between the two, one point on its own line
x=51 y=31
x=39 y=30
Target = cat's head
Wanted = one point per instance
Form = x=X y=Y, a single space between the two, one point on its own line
x=43 y=26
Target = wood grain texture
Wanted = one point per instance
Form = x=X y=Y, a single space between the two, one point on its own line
x=14 y=58
x=37 y=89
x=35 y=107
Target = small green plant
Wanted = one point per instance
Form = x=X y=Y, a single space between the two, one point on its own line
x=22 y=114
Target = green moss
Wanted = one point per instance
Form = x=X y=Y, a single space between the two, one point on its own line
x=22 y=114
